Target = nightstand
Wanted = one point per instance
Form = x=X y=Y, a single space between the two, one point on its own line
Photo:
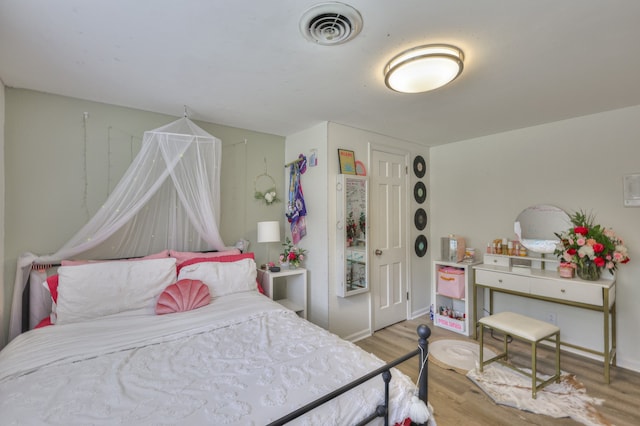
x=287 y=287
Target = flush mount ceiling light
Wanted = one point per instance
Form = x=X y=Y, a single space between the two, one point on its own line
x=330 y=23
x=423 y=68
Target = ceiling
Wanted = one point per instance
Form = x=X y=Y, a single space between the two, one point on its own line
x=245 y=63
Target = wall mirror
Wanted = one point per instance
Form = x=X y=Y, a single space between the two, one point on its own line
x=352 y=227
x=536 y=226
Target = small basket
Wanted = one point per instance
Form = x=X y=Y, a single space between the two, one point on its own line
x=567 y=270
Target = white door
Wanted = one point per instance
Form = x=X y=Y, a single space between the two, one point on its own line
x=388 y=177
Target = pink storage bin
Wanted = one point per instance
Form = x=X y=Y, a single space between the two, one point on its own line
x=451 y=282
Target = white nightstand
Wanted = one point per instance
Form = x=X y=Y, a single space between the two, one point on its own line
x=287 y=287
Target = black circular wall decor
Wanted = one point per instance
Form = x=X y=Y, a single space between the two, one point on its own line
x=420 y=192
x=419 y=166
x=421 y=245
x=420 y=219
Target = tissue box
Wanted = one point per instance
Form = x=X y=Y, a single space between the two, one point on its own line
x=451 y=282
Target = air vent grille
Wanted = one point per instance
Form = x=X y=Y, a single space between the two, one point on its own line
x=330 y=23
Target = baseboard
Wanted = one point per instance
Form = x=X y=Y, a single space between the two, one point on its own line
x=363 y=334
x=421 y=312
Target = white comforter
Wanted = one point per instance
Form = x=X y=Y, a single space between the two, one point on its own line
x=241 y=360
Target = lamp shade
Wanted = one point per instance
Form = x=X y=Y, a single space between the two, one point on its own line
x=269 y=231
x=423 y=68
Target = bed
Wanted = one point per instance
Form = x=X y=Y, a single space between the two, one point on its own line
x=238 y=359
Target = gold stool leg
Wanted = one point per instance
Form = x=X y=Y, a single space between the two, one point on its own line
x=558 y=357
x=534 y=382
x=480 y=340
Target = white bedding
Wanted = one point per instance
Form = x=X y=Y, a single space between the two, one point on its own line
x=241 y=360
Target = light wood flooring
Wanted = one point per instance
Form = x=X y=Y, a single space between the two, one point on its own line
x=458 y=401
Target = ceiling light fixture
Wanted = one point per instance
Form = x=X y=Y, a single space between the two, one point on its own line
x=423 y=68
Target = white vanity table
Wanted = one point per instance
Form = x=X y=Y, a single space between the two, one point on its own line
x=498 y=274
x=536 y=277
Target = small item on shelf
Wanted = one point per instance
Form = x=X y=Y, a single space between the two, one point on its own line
x=567 y=269
x=469 y=255
x=489 y=249
x=523 y=251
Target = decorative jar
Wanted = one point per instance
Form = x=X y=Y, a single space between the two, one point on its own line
x=567 y=269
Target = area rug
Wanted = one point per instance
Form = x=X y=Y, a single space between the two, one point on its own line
x=510 y=388
x=565 y=399
x=458 y=355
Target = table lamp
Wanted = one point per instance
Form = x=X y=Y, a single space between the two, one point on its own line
x=269 y=232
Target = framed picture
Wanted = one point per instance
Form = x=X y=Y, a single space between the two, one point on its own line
x=347 y=162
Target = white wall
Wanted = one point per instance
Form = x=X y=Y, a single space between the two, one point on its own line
x=4 y=298
x=479 y=186
x=316 y=200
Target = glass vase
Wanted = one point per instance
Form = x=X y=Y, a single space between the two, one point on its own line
x=588 y=271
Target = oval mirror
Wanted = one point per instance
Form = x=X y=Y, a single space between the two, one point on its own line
x=536 y=226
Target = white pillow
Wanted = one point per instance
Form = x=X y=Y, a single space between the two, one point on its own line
x=223 y=278
x=98 y=289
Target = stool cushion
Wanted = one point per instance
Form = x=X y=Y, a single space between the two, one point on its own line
x=520 y=326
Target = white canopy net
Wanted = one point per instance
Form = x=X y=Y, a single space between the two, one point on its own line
x=169 y=198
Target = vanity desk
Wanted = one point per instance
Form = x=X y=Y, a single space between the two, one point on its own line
x=501 y=273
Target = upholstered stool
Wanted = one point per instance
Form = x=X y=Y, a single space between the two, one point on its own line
x=529 y=330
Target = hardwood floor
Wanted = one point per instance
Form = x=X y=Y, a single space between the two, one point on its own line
x=458 y=401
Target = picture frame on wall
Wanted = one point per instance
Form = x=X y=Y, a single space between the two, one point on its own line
x=347 y=162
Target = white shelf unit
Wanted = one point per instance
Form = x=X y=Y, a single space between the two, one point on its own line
x=287 y=287
x=462 y=305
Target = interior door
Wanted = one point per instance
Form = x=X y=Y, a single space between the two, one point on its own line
x=388 y=180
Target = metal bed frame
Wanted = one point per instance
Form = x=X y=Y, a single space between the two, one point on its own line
x=383 y=409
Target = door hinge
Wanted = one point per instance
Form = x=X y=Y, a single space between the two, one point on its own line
x=407 y=295
x=406 y=170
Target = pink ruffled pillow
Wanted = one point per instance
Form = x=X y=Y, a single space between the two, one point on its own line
x=182 y=296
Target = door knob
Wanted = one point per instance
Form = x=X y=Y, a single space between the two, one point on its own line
x=378 y=252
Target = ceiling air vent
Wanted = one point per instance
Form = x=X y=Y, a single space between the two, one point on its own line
x=330 y=23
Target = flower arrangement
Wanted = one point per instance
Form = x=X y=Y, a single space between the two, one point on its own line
x=292 y=254
x=590 y=248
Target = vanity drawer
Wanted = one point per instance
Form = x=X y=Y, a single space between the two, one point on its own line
x=570 y=291
x=496 y=260
x=503 y=281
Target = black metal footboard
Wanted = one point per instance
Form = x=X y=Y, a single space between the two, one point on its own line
x=383 y=409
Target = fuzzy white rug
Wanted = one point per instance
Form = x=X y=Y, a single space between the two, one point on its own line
x=508 y=387
x=565 y=399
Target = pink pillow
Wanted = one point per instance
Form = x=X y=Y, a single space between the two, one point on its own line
x=182 y=296
x=44 y=323
x=52 y=285
x=159 y=255
x=182 y=256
